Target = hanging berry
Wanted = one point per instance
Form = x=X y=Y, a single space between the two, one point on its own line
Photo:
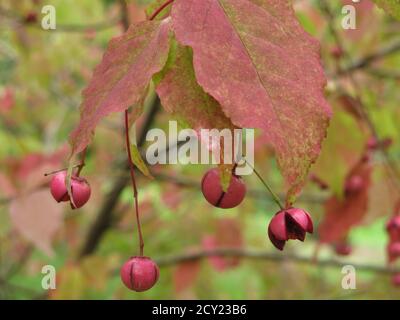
x=215 y=195
x=292 y=223
x=139 y=273
x=80 y=189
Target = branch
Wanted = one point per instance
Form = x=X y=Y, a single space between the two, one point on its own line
x=267 y=256
x=98 y=26
x=251 y=193
x=369 y=59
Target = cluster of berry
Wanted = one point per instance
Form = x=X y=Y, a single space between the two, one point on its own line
x=141 y=273
x=288 y=223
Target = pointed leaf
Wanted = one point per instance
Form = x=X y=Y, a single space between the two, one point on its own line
x=139 y=162
x=255 y=59
x=122 y=78
x=181 y=95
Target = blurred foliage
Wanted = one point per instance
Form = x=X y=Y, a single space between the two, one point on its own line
x=42 y=74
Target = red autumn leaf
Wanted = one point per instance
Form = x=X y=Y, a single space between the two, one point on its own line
x=343 y=214
x=172 y=196
x=227 y=235
x=31 y=169
x=122 y=78
x=37 y=217
x=255 y=59
x=185 y=275
x=182 y=96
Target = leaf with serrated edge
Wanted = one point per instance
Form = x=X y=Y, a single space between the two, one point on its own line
x=122 y=78
x=255 y=59
x=181 y=95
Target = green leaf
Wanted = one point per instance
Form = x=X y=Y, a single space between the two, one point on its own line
x=139 y=162
x=122 y=78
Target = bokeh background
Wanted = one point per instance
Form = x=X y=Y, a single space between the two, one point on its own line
x=42 y=74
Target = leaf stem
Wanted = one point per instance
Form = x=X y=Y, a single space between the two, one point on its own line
x=273 y=194
x=158 y=11
x=135 y=191
x=82 y=164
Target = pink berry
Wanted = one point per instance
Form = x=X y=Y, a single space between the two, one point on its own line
x=343 y=249
x=79 y=186
x=139 y=273
x=58 y=188
x=214 y=194
x=337 y=52
x=396 y=279
x=393 y=250
x=393 y=228
x=292 y=223
x=354 y=184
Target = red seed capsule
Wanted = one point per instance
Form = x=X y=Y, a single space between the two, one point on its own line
x=396 y=280
x=343 y=249
x=214 y=194
x=139 y=273
x=354 y=184
x=292 y=223
x=393 y=251
x=58 y=188
x=79 y=186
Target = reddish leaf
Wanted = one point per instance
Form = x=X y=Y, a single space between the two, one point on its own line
x=228 y=234
x=185 y=275
x=172 y=196
x=342 y=215
x=30 y=173
x=255 y=59
x=37 y=217
x=184 y=98
x=209 y=243
x=122 y=78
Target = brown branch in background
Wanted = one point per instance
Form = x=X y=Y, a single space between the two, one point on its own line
x=266 y=256
x=98 y=26
x=369 y=59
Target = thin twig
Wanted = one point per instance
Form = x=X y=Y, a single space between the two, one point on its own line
x=98 y=26
x=267 y=256
x=134 y=186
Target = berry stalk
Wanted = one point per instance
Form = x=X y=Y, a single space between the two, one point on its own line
x=274 y=196
x=134 y=187
x=158 y=11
